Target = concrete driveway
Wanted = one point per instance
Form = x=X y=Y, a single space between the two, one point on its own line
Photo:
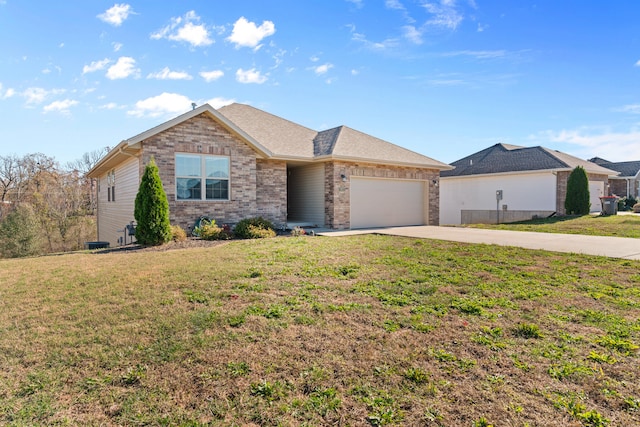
x=614 y=247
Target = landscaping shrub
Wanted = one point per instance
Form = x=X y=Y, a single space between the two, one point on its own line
x=577 y=199
x=209 y=230
x=152 y=209
x=254 y=228
x=178 y=234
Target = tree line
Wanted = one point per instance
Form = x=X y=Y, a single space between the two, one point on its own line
x=46 y=207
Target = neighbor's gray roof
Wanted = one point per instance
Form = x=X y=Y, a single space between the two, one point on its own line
x=286 y=139
x=502 y=158
x=626 y=169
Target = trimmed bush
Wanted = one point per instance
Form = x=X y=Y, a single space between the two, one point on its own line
x=577 y=200
x=178 y=234
x=209 y=230
x=152 y=209
x=254 y=228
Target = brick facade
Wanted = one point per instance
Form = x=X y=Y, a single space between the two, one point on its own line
x=561 y=193
x=624 y=187
x=256 y=187
x=271 y=190
x=337 y=201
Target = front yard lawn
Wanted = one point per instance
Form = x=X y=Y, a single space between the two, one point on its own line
x=361 y=331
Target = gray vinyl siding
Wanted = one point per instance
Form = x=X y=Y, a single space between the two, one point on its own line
x=306 y=193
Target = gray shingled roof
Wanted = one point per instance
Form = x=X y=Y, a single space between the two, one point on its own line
x=286 y=139
x=501 y=158
x=280 y=136
x=626 y=169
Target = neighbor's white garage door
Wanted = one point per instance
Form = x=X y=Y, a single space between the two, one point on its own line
x=386 y=202
x=596 y=189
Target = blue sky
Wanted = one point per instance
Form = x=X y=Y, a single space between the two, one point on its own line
x=445 y=78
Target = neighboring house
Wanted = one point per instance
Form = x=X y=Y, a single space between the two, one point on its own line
x=627 y=184
x=532 y=181
x=239 y=162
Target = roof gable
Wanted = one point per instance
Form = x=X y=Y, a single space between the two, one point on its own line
x=277 y=138
x=501 y=158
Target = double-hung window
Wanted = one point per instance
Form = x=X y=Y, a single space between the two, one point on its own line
x=200 y=177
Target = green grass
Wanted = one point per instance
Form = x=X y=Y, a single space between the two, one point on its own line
x=365 y=330
x=613 y=225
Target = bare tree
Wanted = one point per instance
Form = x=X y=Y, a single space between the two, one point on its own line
x=82 y=166
x=88 y=160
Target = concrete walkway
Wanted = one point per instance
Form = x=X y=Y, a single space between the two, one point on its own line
x=613 y=247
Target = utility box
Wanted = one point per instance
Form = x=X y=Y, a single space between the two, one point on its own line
x=609 y=205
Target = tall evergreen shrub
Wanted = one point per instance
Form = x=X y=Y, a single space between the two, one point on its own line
x=577 y=200
x=152 y=209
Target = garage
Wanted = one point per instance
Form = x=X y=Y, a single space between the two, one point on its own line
x=596 y=190
x=387 y=202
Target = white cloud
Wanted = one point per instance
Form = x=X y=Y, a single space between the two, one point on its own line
x=376 y=46
x=219 y=102
x=314 y=58
x=213 y=75
x=412 y=34
x=167 y=74
x=117 y=14
x=110 y=106
x=95 y=66
x=116 y=46
x=322 y=69
x=250 y=76
x=185 y=29
x=248 y=34
x=596 y=142
x=125 y=67
x=637 y=64
x=37 y=95
x=357 y=3
x=355 y=72
x=633 y=109
x=444 y=14
x=478 y=54
x=394 y=4
x=161 y=105
x=60 y=106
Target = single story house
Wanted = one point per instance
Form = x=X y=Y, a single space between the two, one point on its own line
x=508 y=183
x=627 y=184
x=238 y=162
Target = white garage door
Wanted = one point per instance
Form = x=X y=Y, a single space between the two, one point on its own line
x=386 y=202
x=596 y=189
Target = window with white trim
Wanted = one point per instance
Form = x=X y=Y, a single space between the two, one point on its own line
x=201 y=177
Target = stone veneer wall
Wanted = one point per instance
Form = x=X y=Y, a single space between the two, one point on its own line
x=561 y=192
x=337 y=201
x=203 y=135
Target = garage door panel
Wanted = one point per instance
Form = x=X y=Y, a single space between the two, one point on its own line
x=596 y=190
x=386 y=202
